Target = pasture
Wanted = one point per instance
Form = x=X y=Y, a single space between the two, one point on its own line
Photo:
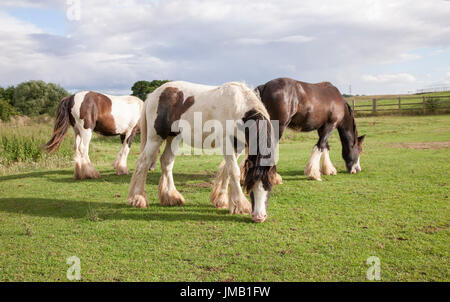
x=396 y=209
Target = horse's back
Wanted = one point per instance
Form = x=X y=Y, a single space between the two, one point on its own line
x=106 y=114
x=321 y=103
x=213 y=101
x=187 y=88
x=229 y=101
x=126 y=111
x=301 y=105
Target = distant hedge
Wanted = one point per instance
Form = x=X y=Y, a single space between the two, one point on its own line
x=37 y=97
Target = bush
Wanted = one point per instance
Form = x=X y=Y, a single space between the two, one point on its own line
x=37 y=97
x=19 y=149
x=6 y=110
x=23 y=142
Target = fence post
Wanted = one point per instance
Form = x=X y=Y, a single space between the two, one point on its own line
x=399 y=105
x=374 y=106
x=423 y=104
x=353 y=104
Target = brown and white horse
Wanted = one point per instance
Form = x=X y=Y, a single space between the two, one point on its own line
x=108 y=115
x=306 y=107
x=172 y=111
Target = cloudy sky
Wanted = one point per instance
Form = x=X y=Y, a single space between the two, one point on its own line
x=377 y=47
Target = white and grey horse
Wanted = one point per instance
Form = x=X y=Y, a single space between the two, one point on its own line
x=108 y=115
x=173 y=110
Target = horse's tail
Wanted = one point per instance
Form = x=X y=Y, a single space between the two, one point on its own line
x=260 y=161
x=62 y=123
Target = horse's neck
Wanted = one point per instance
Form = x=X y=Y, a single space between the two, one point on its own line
x=346 y=131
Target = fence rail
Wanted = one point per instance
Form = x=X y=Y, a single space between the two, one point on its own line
x=423 y=104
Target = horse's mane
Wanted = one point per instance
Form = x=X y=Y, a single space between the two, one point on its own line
x=352 y=116
x=325 y=84
x=254 y=168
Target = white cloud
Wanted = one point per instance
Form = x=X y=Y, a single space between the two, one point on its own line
x=34 y=3
x=287 y=39
x=389 y=78
x=118 y=42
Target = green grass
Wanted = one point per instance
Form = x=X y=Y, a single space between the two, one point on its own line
x=397 y=209
x=22 y=145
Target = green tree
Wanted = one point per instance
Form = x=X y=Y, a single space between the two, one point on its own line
x=37 y=97
x=142 y=88
x=7 y=94
x=6 y=110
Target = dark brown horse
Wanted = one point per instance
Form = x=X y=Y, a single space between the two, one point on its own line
x=306 y=107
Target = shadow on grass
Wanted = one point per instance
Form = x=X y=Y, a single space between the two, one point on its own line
x=300 y=174
x=36 y=174
x=66 y=176
x=60 y=208
x=152 y=178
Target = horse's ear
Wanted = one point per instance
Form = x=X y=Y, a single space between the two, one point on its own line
x=361 y=139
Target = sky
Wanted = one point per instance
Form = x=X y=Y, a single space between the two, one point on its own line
x=361 y=46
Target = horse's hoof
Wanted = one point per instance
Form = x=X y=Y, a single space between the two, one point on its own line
x=122 y=170
x=89 y=175
x=241 y=207
x=329 y=171
x=313 y=174
x=314 y=177
x=92 y=174
x=219 y=200
x=173 y=198
x=138 y=201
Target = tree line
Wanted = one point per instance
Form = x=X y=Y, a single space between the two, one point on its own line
x=34 y=98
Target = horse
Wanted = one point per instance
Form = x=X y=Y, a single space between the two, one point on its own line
x=306 y=107
x=89 y=111
x=166 y=109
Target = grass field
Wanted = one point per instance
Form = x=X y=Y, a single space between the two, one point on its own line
x=396 y=209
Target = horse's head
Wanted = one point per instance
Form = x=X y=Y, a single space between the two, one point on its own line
x=260 y=171
x=351 y=157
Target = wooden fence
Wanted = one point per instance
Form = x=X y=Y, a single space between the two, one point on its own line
x=417 y=104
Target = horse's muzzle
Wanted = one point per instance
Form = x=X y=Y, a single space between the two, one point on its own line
x=259 y=218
